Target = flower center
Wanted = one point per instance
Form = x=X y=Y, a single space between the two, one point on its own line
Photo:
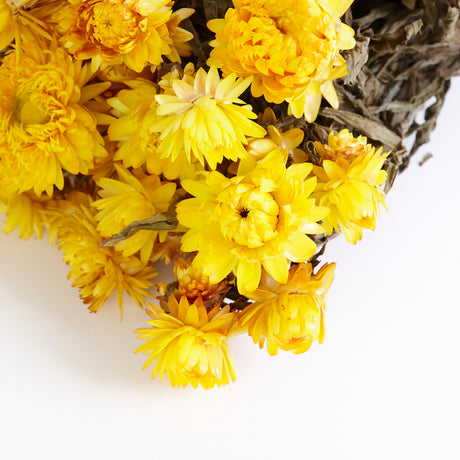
x=248 y=216
x=112 y=24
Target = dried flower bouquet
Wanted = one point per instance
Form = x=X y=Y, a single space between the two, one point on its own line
x=231 y=139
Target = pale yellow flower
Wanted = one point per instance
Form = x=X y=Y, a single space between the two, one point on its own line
x=349 y=184
x=133 y=197
x=205 y=118
x=44 y=126
x=260 y=219
x=189 y=343
x=289 y=316
x=291 y=49
x=135 y=109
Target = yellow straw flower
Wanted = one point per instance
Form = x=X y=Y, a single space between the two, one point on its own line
x=349 y=184
x=135 y=196
x=44 y=126
x=189 y=343
x=135 y=109
x=260 y=219
x=133 y=32
x=97 y=271
x=204 y=117
x=290 y=47
x=289 y=316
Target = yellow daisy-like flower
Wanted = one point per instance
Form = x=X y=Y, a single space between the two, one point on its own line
x=289 y=316
x=291 y=48
x=189 y=343
x=260 y=219
x=44 y=126
x=97 y=271
x=135 y=109
x=349 y=184
x=204 y=118
x=135 y=196
x=133 y=32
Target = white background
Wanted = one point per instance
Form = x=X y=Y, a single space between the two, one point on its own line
x=384 y=385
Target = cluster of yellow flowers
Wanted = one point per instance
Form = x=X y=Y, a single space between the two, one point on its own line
x=107 y=125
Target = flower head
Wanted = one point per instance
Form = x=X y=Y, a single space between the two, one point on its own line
x=349 y=184
x=203 y=116
x=44 y=126
x=259 y=219
x=133 y=32
x=189 y=343
x=97 y=271
x=289 y=316
x=291 y=49
x=135 y=109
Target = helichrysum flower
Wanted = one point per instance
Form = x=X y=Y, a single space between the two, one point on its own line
x=97 y=271
x=289 y=316
x=134 y=196
x=135 y=109
x=44 y=126
x=204 y=117
x=133 y=32
x=349 y=184
x=260 y=219
x=189 y=343
x=291 y=49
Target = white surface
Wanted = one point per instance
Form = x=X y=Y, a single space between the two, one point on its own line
x=384 y=385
